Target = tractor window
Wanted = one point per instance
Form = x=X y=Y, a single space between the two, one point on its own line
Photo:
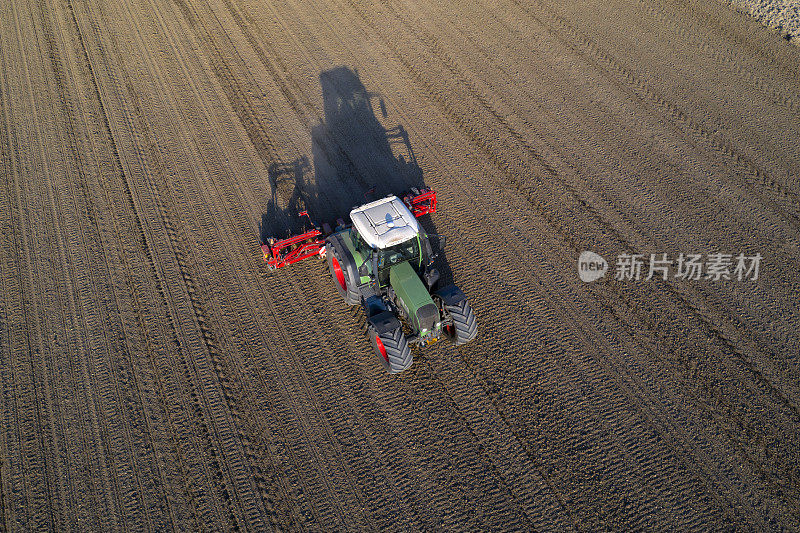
x=361 y=245
x=405 y=251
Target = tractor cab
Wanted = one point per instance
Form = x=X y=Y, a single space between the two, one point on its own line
x=386 y=231
x=384 y=223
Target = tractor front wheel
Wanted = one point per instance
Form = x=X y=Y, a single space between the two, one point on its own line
x=392 y=349
x=464 y=327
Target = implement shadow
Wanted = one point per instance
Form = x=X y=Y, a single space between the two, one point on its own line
x=292 y=192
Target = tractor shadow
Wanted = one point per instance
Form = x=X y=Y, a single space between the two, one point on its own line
x=357 y=156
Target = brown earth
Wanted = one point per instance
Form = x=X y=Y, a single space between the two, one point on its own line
x=156 y=376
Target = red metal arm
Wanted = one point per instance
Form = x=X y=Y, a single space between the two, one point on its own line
x=289 y=251
x=421 y=202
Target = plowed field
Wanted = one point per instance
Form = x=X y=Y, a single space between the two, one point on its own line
x=155 y=375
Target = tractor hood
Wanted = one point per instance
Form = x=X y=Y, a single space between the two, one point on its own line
x=385 y=222
x=414 y=297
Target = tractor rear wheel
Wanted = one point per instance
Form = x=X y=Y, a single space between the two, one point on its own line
x=341 y=276
x=464 y=327
x=392 y=349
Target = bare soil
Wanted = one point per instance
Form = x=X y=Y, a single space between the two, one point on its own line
x=156 y=376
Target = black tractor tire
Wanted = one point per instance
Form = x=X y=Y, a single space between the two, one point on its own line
x=341 y=275
x=392 y=349
x=465 y=325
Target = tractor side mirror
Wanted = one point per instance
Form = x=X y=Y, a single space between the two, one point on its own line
x=439 y=248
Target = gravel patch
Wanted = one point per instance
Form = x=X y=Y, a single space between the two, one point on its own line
x=781 y=15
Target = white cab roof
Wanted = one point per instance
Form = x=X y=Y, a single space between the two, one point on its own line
x=384 y=222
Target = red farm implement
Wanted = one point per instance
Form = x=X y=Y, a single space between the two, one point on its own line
x=282 y=252
x=420 y=201
x=279 y=253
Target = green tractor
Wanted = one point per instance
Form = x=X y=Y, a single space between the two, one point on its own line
x=383 y=262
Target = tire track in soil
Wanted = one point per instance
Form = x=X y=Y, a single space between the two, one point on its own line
x=594 y=368
x=593 y=54
x=582 y=202
x=461 y=74
x=317 y=299
x=500 y=119
x=137 y=236
x=618 y=210
x=728 y=342
x=280 y=75
x=21 y=249
x=214 y=313
x=12 y=295
x=725 y=338
x=248 y=236
x=249 y=232
x=20 y=289
x=229 y=82
x=130 y=329
x=208 y=340
x=37 y=348
x=13 y=299
x=712 y=17
x=120 y=173
x=209 y=333
x=727 y=56
x=90 y=289
x=123 y=374
x=197 y=399
x=253 y=421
